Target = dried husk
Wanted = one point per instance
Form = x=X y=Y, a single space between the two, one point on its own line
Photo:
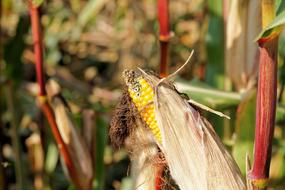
x=241 y=53
x=89 y=128
x=75 y=145
x=195 y=155
x=143 y=152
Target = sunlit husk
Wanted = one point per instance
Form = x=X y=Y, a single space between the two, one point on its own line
x=74 y=143
x=143 y=152
x=196 y=157
x=241 y=53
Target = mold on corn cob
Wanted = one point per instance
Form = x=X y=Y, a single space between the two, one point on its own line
x=142 y=96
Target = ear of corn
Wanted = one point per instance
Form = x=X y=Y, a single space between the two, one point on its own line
x=142 y=95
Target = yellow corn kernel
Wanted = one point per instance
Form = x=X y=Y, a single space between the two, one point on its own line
x=144 y=104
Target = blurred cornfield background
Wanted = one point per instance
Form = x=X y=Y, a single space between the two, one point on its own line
x=87 y=45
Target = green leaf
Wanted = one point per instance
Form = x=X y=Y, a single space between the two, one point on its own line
x=215 y=45
x=101 y=141
x=90 y=11
x=245 y=123
x=51 y=158
x=13 y=51
x=277 y=168
x=273 y=29
x=239 y=151
x=37 y=3
x=204 y=94
x=279 y=6
x=245 y=127
x=280 y=114
x=127 y=183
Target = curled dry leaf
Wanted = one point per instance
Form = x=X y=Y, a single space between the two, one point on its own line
x=81 y=158
x=241 y=51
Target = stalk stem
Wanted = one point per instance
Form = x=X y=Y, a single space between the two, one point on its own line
x=44 y=104
x=48 y=112
x=38 y=46
x=266 y=104
x=164 y=35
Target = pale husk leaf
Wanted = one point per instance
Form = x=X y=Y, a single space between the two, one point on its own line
x=196 y=157
x=74 y=143
x=241 y=51
x=143 y=152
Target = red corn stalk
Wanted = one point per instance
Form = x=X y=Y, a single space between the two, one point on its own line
x=36 y=29
x=44 y=104
x=266 y=103
x=164 y=35
x=46 y=108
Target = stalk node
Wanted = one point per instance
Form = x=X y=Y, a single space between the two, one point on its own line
x=164 y=38
x=42 y=99
x=260 y=183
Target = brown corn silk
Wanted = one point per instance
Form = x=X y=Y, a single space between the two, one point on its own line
x=127 y=129
x=195 y=155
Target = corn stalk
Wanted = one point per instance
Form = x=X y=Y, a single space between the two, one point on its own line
x=45 y=105
x=164 y=35
x=266 y=102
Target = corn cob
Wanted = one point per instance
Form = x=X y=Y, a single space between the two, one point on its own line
x=142 y=96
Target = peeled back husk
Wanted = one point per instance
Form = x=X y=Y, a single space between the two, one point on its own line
x=195 y=155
